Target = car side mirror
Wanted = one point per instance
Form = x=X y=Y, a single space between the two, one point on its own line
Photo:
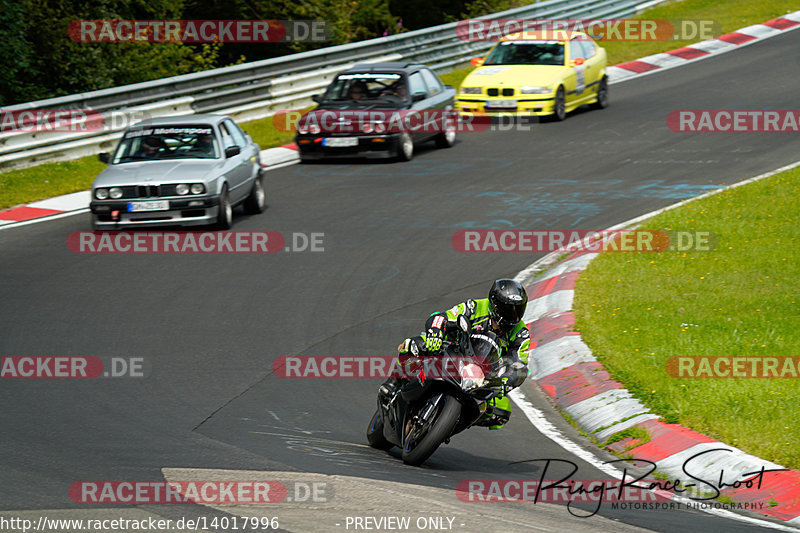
x=317 y=98
x=231 y=151
x=476 y=61
x=104 y=157
x=418 y=96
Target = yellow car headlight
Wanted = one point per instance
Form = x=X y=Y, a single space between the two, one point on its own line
x=535 y=90
x=470 y=90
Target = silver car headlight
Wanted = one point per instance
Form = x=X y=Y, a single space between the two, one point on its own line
x=182 y=189
x=101 y=194
x=470 y=90
x=115 y=192
x=197 y=188
x=535 y=90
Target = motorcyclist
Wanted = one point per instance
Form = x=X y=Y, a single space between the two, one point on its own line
x=500 y=313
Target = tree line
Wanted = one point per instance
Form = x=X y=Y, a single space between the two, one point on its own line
x=38 y=59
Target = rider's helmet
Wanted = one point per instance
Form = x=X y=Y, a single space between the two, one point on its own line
x=507 y=302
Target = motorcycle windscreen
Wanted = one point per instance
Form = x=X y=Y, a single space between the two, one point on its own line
x=487 y=352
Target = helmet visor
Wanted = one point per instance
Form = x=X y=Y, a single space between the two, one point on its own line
x=508 y=315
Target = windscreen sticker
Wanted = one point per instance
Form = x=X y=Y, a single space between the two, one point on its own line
x=181 y=130
x=376 y=76
x=488 y=71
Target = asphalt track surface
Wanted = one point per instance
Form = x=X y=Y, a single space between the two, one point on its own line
x=210 y=326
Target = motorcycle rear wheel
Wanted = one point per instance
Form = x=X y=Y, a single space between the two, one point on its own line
x=422 y=442
x=375 y=436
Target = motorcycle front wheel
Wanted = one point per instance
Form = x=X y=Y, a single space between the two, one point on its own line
x=424 y=438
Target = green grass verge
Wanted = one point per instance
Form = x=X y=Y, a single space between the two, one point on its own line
x=26 y=185
x=636 y=310
x=53 y=179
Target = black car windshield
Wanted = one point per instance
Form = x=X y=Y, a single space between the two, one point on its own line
x=368 y=88
x=527 y=53
x=167 y=142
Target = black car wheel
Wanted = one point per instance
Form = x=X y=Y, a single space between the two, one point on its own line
x=446 y=139
x=405 y=147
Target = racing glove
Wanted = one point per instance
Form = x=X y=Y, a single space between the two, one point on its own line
x=433 y=339
x=514 y=373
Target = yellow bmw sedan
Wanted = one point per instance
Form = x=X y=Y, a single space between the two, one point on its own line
x=546 y=73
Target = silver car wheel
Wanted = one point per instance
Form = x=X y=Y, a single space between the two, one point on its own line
x=259 y=193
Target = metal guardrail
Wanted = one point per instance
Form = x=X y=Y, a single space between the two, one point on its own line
x=256 y=90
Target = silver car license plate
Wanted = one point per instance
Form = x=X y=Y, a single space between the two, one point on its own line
x=501 y=103
x=339 y=142
x=153 y=205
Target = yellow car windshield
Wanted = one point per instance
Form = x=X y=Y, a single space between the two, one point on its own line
x=527 y=53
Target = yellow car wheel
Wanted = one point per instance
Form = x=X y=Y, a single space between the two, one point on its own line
x=560 y=105
x=602 y=94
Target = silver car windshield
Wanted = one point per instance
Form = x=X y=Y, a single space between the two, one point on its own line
x=527 y=53
x=167 y=142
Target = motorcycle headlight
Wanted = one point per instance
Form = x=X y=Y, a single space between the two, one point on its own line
x=470 y=90
x=101 y=194
x=471 y=376
x=197 y=188
x=182 y=189
x=535 y=90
